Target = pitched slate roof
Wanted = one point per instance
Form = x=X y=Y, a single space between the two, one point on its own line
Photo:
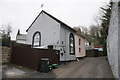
x=52 y=18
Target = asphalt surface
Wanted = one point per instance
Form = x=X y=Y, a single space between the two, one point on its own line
x=96 y=67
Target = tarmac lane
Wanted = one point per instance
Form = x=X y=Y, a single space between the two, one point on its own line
x=96 y=67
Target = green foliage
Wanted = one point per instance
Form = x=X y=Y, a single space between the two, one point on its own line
x=119 y=3
x=100 y=53
x=5 y=31
x=5 y=40
x=94 y=35
x=105 y=26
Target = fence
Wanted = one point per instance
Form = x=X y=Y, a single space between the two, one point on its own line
x=93 y=53
x=31 y=57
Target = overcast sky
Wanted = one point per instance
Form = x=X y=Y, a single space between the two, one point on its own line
x=21 y=13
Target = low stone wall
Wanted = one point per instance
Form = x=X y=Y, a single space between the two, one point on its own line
x=6 y=54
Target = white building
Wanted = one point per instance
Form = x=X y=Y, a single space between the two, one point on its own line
x=47 y=30
x=21 y=38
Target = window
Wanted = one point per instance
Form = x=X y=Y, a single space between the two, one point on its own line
x=36 y=39
x=72 y=44
x=79 y=49
x=50 y=46
x=79 y=42
x=79 y=45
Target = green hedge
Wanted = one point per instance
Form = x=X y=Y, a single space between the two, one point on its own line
x=94 y=53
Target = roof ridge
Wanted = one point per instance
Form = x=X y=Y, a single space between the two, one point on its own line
x=52 y=18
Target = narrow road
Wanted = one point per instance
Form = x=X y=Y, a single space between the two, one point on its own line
x=96 y=67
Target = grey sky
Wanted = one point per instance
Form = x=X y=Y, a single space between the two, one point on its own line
x=21 y=13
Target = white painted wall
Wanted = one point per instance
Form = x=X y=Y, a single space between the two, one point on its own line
x=63 y=46
x=21 y=39
x=49 y=29
x=112 y=41
x=64 y=36
x=119 y=42
x=51 y=32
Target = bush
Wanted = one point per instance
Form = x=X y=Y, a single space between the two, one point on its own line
x=94 y=53
x=6 y=41
x=100 y=53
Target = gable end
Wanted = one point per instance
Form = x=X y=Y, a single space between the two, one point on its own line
x=52 y=18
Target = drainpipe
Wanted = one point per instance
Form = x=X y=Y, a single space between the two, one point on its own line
x=65 y=43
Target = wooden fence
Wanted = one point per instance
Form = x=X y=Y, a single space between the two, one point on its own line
x=31 y=57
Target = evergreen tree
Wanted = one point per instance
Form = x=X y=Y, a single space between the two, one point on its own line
x=105 y=26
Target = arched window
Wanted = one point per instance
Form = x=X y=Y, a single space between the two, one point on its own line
x=72 y=44
x=36 y=39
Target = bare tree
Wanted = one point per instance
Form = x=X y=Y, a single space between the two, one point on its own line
x=95 y=30
x=5 y=30
x=84 y=30
x=97 y=20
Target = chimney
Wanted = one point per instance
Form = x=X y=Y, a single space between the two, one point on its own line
x=18 y=32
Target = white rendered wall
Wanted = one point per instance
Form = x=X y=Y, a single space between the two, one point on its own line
x=49 y=29
x=112 y=41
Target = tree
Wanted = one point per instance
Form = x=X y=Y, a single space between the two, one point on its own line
x=81 y=30
x=95 y=30
x=105 y=20
x=77 y=29
x=91 y=34
x=84 y=29
x=5 y=34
